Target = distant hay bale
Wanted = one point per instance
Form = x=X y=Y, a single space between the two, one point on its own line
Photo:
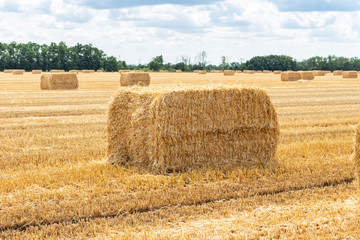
x=238 y=71
x=196 y=71
x=55 y=81
x=88 y=71
x=36 y=71
x=8 y=70
x=129 y=79
x=319 y=73
x=99 y=71
x=202 y=72
x=179 y=71
x=249 y=71
x=267 y=71
x=338 y=73
x=290 y=76
x=277 y=72
x=57 y=71
x=164 y=71
x=357 y=152
x=18 y=72
x=124 y=71
x=180 y=128
x=259 y=71
x=229 y=72
x=349 y=74
x=307 y=75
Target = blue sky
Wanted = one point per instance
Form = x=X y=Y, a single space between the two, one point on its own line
x=137 y=30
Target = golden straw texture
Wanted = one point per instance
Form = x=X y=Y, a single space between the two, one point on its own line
x=8 y=70
x=277 y=72
x=202 y=72
x=88 y=71
x=18 y=72
x=36 y=71
x=267 y=71
x=307 y=75
x=249 y=71
x=319 y=73
x=338 y=73
x=179 y=128
x=357 y=152
x=350 y=74
x=290 y=76
x=229 y=72
x=128 y=79
x=57 y=71
x=54 y=81
x=179 y=71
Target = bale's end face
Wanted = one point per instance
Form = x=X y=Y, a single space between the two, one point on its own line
x=130 y=78
x=57 y=81
x=172 y=129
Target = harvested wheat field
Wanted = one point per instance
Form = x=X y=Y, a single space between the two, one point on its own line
x=56 y=183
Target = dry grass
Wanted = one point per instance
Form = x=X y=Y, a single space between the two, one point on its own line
x=56 y=185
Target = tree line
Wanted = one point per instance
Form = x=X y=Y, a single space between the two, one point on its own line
x=30 y=56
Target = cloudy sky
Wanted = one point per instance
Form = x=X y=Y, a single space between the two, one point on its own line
x=138 y=30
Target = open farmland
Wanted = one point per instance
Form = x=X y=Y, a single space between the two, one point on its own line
x=54 y=182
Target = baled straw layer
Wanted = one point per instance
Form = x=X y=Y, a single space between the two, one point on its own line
x=307 y=75
x=178 y=128
x=36 y=71
x=350 y=74
x=128 y=79
x=319 y=73
x=290 y=76
x=338 y=73
x=229 y=72
x=57 y=71
x=18 y=72
x=202 y=72
x=54 y=81
x=357 y=152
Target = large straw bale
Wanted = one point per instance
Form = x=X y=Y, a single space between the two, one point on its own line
x=179 y=71
x=202 y=72
x=128 y=79
x=350 y=74
x=357 y=152
x=36 y=71
x=229 y=72
x=18 y=72
x=277 y=72
x=290 y=76
x=57 y=71
x=338 y=73
x=54 y=81
x=319 y=73
x=179 y=128
x=307 y=75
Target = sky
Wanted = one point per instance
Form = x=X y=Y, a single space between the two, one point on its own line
x=138 y=30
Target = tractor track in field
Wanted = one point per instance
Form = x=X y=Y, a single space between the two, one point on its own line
x=329 y=183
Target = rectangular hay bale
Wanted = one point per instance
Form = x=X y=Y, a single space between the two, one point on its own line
x=338 y=73
x=290 y=76
x=132 y=78
x=349 y=74
x=307 y=75
x=229 y=72
x=36 y=71
x=202 y=72
x=179 y=128
x=55 y=81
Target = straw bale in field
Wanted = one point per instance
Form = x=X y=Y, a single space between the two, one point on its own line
x=229 y=72
x=57 y=71
x=179 y=71
x=196 y=71
x=88 y=71
x=164 y=71
x=202 y=72
x=54 y=81
x=267 y=71
x=36 y=71
x=99 y=71
x=307 y=75
x=73 y=71
x=249 y=71
x=259 y=71
x=179 y=128
x=349 y=74
x=319 y=73
x=18 y=72
x=357 y=151
x=238 y=71
x=290 y=76
x=277 y=72
x=128 y=79
x=8 y=70
x=124 y=71
x=338 y=73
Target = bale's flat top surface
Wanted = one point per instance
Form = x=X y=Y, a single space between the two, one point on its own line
x=52 y=174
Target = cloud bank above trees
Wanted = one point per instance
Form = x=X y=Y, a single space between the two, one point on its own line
x=138 y=30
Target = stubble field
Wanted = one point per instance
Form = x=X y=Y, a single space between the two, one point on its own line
x=54 y=182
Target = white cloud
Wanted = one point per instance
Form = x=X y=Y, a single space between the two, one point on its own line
x=237 y=29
